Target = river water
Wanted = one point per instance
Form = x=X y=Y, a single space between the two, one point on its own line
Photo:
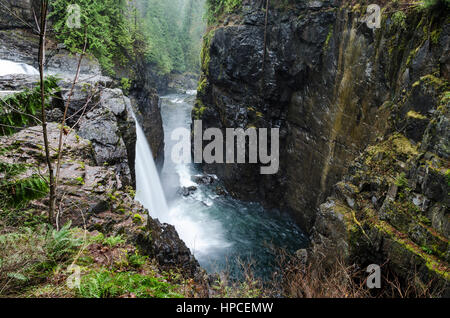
x=221 y=231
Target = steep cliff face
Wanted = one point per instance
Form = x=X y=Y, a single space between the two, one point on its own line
x=391 y=209
x=18 y=13
x=328 y=82
x=338 y=91
x=294 y=89
x=17 y=42
x=146 y=104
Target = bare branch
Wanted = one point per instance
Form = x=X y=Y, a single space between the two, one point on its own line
x=20 y=112
x=66 y=108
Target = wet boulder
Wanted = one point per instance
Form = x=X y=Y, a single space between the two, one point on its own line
x=187 y=191
x=203 y=179
x=163 y=243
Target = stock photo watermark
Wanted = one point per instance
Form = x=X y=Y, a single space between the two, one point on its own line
x=74 y=16
x=373 y=17
x=374 y=278
x=230 y=149
x=74 y=280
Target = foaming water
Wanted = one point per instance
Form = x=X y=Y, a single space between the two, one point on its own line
x=220 y=230
x=11 y=68
x=202 y=238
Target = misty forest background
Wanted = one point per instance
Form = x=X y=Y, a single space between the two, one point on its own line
x=168 y=33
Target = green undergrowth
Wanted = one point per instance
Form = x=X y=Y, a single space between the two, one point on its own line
x=18 y=192
x=29 y=255
x=40 y=261
x=23 y=109
x=110 y=284
x=111 y=241
x=217 y=9
x=37 y=260
x=19 y=184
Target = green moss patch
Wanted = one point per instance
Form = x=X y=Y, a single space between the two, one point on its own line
x=415 y=115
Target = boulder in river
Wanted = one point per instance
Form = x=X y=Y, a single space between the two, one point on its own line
x=203 y=179
x=187 y=191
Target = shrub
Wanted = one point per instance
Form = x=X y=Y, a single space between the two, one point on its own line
x=27 y=255
x=125 y=84
x=399 y=20
x=136 y=260
x=107 y=284
x=215 y=8
x=18 y=192
x=114 y=241
x=111 y=241
x=60 y=245
x=401 y=181
x=434 y=4
x=21 y=109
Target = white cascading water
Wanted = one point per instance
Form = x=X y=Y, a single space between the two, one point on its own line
x=149 y=191
x=9 y=67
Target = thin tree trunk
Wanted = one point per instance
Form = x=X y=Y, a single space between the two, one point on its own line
x=43 y=27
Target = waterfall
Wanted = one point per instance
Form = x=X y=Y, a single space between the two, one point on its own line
x=9 y=67
x=219 y=230
x=188 y=219
x=149 y=191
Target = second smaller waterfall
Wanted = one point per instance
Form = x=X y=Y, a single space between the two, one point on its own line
x=9 y=67
x=149 y=191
